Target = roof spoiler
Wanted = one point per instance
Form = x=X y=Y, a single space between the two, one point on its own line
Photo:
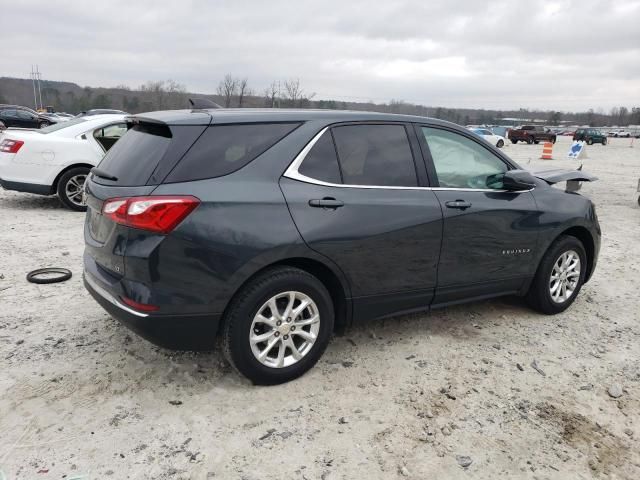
x=202 y=104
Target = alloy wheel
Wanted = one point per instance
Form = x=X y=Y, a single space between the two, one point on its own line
x=285 y=329
x=565 y=276
x=74 y=189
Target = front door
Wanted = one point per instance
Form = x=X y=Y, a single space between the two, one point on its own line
x=489 y=235
x=355 y=197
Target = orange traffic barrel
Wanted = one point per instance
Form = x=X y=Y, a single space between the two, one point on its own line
x=547 y=151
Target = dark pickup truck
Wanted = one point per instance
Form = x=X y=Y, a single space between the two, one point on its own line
x=531 y=134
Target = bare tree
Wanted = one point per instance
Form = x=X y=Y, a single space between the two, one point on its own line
x=294 y=93
x=243 y=90
x=271 y=94
x=176 y=93
x=227 y=89
x=156 y=93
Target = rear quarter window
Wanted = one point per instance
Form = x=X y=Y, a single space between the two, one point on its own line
x=223 y=149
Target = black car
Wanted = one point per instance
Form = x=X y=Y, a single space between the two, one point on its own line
x=270 y=228
x=22 y=117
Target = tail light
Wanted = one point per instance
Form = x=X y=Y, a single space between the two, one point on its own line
x=159 y=214
x=10 y=146
x=143 y=307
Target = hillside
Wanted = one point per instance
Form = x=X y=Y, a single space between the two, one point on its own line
x=72 y=98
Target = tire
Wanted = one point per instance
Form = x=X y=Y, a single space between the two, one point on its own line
x=536 y=142
x=43 y=125
x=539 y=296
x=590 y=142
x=252 y=299
x=604 y=142
x=529 y=140
x=514 y=141
x=500 y=144
x=68 y=193
x=553 y=140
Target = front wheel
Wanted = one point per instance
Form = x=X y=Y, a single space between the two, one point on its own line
x=514 y=141
x=604 y=141
x=529 y=140
x=278 y=326
x=71 y=188
x=590 y=142
x=500 y=144
x=560 y=276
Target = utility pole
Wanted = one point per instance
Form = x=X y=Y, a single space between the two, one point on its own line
x=39 y=91
x=33 y=81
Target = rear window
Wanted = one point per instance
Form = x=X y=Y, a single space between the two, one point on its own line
x=223 y=149
x=135 y=156
x=59 y=126
x=375 y=155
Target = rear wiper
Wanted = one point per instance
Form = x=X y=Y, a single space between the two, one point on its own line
x=102 y=174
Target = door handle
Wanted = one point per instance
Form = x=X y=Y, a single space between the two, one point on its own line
x=461 y=204
x=326 y=202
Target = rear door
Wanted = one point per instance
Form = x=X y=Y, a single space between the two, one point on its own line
x=358 y=197
x=489 y=235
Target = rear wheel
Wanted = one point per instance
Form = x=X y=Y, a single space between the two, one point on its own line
x=513 y=140
x=278 y=326
x=44 y=124
x=560 y=276
x=71 y=188
x=604 y=141
x=500 y=144
x=590 y=142
x=529 y=140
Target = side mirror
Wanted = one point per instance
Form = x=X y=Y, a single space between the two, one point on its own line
x=516 y=180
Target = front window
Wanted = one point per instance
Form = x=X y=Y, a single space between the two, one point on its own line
x=462 y=163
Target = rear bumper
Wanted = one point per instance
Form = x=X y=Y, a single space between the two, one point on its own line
x=178 y=332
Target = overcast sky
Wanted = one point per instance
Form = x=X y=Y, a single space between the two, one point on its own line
x=564 y=55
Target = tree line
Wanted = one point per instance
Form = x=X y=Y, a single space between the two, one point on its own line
x=236 y=92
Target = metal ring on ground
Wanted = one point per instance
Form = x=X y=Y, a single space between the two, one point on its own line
x=64 y=275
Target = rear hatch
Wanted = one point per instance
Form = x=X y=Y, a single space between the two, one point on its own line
x=135 y=166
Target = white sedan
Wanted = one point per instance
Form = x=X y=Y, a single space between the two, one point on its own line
x=57 y=159
x=489 y=136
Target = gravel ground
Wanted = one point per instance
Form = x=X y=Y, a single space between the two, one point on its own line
x=483 y=390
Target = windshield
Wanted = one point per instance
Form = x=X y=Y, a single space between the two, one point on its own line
x=59 y=126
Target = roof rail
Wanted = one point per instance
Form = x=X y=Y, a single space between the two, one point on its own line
x=202 y=103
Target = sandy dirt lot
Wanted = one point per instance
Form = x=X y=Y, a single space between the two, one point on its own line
x=418 y=397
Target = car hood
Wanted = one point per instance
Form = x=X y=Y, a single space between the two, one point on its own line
x=556 y=175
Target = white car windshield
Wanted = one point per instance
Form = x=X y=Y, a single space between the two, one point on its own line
x=59 y=126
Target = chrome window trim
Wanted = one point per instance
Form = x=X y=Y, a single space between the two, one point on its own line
x=293 y=173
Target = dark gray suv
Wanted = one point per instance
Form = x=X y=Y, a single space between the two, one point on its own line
x=269 y=228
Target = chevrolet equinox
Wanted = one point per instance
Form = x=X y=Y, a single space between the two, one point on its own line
x=269 y=228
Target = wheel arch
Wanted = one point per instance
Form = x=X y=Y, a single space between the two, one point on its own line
x=337 y=287
x=54 y=185
x=584 y=235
